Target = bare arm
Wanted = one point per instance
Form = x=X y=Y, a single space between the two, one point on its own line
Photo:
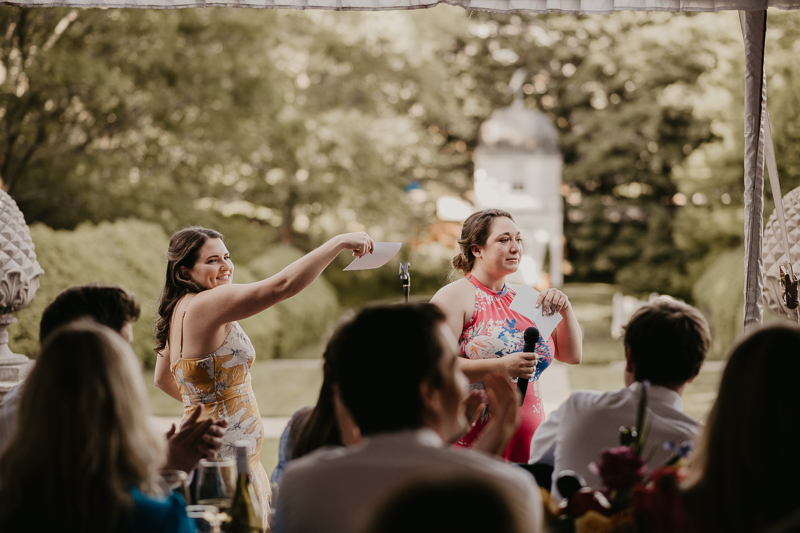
x=227 y=303
x=568 y=337
x=164 y=378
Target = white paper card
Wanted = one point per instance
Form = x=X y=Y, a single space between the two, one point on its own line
x=524 y=303
x=381 y=254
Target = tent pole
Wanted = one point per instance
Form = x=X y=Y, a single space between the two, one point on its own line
x=754 y=28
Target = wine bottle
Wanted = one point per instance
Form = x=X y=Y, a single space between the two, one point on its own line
x=243 y=512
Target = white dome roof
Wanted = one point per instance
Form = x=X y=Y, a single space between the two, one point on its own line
x=519 y=129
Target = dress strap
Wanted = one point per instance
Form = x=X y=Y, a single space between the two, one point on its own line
x=183 y=316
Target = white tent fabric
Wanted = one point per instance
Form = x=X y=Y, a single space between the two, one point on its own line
x=754 y=28
x=499 y=6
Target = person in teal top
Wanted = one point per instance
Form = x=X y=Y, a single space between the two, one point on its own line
x=156 y=514
x=86 y=458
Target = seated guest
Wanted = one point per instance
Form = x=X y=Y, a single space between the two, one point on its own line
x=396 y=374
x=745 y=471
x=665 y=343
x=117 y=309
x=85 y=459
x=312 y=428
x=448 y=504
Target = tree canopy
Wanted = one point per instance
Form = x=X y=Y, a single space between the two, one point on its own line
x=291 y=126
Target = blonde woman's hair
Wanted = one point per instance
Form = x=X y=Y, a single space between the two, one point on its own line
x=82 y=439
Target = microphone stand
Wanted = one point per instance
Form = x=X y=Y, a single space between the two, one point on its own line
x=405 y=278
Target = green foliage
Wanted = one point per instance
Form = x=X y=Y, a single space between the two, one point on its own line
x=304 y=319
x=128 y=253
x=605 y=83
x=291 y=126
x=718 y=293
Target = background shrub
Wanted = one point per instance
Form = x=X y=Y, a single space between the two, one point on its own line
x=130 y=253
x=297 y=322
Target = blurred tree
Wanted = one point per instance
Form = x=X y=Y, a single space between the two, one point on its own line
x=292 y=126
x=309 y=123
x=605 y=83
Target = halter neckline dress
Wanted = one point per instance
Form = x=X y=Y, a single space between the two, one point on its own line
x=494 y=330
x=220 y=382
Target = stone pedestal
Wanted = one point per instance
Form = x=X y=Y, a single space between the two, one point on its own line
x=14 y=367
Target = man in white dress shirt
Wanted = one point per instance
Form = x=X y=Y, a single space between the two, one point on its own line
x=665 y=343
x=397 y=377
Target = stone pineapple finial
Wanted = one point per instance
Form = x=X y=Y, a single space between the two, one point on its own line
x=19 y=271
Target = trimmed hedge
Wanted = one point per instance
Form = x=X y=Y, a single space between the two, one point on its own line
x=130 y=253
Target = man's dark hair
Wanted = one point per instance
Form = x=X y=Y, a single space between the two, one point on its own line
x=668 y=341
x=382 y=355
x=109 y=305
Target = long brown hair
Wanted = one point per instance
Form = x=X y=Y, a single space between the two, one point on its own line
x=82 y=439
x=183 y=249
x=744 y=473
x=318 y=427
x=475 y=232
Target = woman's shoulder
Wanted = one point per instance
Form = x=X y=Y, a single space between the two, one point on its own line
x=155 y=514
x=459 y=291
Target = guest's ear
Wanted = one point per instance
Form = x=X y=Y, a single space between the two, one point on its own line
x=628 y=362
x=630 y=368
x=431 y=403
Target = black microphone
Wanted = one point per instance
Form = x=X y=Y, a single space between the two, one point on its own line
x=531 y=337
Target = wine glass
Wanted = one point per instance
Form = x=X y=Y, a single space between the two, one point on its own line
x=206 y=518
x=176 y=481
x=216 y=482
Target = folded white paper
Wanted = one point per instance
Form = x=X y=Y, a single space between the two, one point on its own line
x=381 y=254
x=524 y=303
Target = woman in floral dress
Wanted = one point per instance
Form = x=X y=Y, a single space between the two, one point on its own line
x=490 y=334
x=204 y=356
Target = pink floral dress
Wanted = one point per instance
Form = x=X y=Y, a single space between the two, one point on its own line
x=494 y=331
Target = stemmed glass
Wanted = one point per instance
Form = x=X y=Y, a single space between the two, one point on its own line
x=176 y=481
x=206 y=518
x=216 y=482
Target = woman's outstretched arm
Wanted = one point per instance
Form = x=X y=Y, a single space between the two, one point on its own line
x=228 y=303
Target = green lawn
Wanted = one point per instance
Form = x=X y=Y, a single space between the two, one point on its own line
x=282 y=386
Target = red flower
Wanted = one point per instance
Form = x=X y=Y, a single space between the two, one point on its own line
x=620 y=468
x=657 y=504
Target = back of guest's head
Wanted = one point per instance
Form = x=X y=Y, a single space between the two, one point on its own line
x=668 y=342
x=449 y=503
x=83 y=439
x=105 y=304
x=745 y=470
x=382 y=356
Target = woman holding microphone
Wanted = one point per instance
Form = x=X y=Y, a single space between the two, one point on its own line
x=489 y=333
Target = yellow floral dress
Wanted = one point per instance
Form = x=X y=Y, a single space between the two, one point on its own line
x=220 y=382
